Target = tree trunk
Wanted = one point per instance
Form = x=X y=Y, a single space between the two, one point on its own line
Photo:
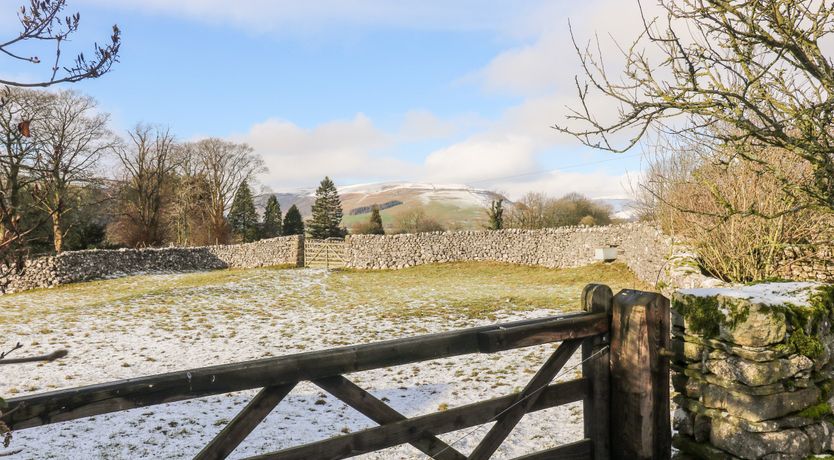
x=57 y=233
x=57 y=221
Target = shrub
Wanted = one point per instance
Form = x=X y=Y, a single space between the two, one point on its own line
x=416 y=221
x=738 y=217
x=537 y=210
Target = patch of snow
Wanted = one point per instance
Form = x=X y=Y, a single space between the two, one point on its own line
x=797 y=293
x=259 y=314
x=461 y=198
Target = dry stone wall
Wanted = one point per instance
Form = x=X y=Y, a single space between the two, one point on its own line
x=653 y=256
x=76 y=266
x=808 y=263
x=753 y=371
x=643 y=248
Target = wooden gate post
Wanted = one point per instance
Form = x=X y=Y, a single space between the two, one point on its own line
x=640 y=426
x=597 y=298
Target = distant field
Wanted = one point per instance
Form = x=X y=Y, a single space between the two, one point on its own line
x=143 y=325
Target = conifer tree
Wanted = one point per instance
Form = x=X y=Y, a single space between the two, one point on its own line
x=496 y=215
x=375 y=225
x=272 y=218
x=243 y=219
x=293 y=224
x=327 y=212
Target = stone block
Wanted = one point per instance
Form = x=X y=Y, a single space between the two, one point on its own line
x=752 y=373
x=759 y=407
x=787 y=444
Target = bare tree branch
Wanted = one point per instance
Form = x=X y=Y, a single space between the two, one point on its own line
x=42 y=21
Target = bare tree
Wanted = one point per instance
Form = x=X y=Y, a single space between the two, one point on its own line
x=188 y=212
x=72 y=139
x=147 y=161
x=225 y=165
x=40 y=22
x=742 y=76
x=688 y=190
x=43 y=22
x=16 y=174
x=531 y=211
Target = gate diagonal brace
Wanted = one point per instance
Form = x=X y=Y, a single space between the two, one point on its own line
x=381 y=413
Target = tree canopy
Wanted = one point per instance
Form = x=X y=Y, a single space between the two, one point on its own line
x=243 y=219
x=496 y=215
x=272 y=218
x=293 y=223
x=327 y=212
x=375 y=222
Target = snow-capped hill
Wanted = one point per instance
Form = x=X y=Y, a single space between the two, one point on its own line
x=455 y=206
x=452 y=194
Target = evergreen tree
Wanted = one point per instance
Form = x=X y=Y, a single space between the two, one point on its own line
x=293 y=224
x=375 y=225
x=272 y=218
x=327 y=212
x=243 y=219
x=496 y=215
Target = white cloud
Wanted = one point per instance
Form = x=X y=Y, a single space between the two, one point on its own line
x=355 y=149
x=549 y=61
x=596 y=184
x=299 y=157
x=478 y=159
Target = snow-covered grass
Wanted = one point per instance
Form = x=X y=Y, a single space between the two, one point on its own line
x=144 y=325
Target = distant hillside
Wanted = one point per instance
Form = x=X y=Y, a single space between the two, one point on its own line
x=458 y=207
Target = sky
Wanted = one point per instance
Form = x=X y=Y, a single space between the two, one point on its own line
x=364 y=91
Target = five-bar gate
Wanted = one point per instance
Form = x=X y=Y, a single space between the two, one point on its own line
x=624 y=387
x=329 y=253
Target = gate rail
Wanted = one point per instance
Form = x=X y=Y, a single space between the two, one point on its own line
x=598 y=388
x=329 y=253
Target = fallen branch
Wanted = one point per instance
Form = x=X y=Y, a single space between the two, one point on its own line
x=49 y=357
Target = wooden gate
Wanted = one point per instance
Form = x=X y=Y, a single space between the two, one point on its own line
x=329 y=253
x=624 y=387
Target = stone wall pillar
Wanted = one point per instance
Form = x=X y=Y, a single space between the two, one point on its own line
x=752 y=370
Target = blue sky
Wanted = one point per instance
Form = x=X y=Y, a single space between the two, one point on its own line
x=363 y=91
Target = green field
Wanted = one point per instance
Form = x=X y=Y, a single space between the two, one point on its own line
x=473 y=290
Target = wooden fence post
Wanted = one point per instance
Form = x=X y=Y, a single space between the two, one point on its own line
x=640 y=425
x=597 y=298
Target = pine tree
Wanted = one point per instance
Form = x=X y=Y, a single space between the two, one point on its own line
x=293 y=224
x=243 y=219
x=496 y=215
x=375 y=225
x=272 y=218
x=327 y=212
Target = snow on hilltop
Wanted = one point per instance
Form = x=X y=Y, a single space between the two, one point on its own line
x=453 y=194
x=454 y=205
